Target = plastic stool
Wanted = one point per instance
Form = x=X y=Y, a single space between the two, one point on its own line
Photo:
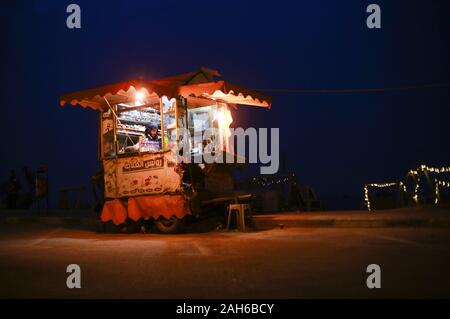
x=239 y=210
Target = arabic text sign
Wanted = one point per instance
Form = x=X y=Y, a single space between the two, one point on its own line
x=143 y=165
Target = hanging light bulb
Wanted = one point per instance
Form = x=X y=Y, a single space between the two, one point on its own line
x=140 y=96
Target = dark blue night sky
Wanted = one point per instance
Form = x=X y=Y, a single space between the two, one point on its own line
x=335 y=142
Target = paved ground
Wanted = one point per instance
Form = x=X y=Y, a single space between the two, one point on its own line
x=421 y=216
x=288 y=263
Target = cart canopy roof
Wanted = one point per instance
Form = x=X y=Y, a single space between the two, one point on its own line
x=198 y=84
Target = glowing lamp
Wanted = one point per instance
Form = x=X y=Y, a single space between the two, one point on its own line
x=139 y=96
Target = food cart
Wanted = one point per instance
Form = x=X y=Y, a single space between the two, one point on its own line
x=141 y=127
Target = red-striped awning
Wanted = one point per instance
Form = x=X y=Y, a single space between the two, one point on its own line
x=94 y=98
x=198 y=84
x=226 y=92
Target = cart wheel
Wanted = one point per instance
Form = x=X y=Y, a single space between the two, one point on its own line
x=169 y=226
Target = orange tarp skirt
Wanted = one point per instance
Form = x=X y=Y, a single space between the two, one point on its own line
x=114 y=210
x=145 y=207
x=156 y=206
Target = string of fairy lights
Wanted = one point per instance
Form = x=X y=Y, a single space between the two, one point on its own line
x=437 y=189
x=416 y=175
x=366 y=190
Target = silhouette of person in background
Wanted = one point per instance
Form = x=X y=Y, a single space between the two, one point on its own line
x=13 y=190
x=26 y=199
x=29 y=176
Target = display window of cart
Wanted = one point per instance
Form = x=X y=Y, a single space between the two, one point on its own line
x=139 y=126
x=153 y=125
x=208 y=126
